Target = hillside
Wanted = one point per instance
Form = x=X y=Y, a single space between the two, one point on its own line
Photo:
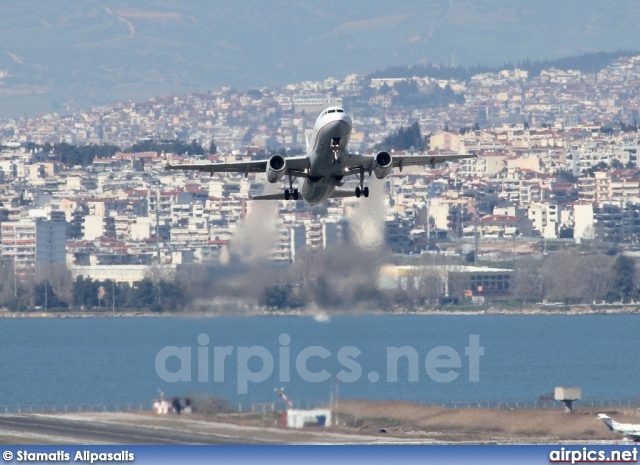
x=56 y=57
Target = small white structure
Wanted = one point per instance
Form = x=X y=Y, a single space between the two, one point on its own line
x=165 y=406
x=568 y=395
x=316 y=417
x=161 y=406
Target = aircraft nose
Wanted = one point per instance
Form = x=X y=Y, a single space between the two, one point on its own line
x=344 y=117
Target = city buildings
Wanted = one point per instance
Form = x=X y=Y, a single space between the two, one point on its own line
x=557 y=160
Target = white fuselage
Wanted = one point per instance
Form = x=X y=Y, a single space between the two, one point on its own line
x=327 y=155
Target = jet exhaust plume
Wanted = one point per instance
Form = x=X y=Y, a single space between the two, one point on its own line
x=255 y=235
x=366 y=219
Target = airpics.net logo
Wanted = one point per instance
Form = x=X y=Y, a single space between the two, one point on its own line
x=257 y=364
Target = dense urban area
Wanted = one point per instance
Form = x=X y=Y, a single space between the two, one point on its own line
x=549 y=212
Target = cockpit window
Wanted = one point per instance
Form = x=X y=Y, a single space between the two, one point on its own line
x=340 y=110
x=331 y=111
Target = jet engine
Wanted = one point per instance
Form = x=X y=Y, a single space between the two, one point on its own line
x=382 y=165
x=276 y=167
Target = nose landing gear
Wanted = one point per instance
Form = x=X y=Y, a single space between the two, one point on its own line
x=335 y=147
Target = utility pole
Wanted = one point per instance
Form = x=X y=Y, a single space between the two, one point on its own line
x=158 y=226
x=428 y=221
x=475 y=221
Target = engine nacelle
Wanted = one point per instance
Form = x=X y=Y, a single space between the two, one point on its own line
x=382 y=165
x=276 y=167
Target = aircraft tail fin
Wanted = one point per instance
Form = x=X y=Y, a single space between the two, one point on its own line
x=607 y=420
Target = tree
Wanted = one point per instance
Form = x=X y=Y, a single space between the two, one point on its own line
x=58 y=275
x=279 y=296
x=172 y=296
x=596 y=275
x=561 y=277
x=143 y=294
x=566 y=232
x=213 y=149
x=177 y=146
x=404 y=139
x=84 y=292
x=44 y=296
x=624 y=276
x=83 y=155
x=616 y=164
x=528 y=279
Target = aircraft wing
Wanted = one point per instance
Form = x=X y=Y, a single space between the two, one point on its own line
x=400 y=161
x=294 y=164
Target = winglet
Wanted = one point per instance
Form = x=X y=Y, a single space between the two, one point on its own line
x=306 y=138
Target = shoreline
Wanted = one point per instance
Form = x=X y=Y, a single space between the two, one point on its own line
x=326 y=315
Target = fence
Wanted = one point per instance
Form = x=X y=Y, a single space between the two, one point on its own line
x=264 y=407
x=537 y=404
x=278 y=405
x=70 y=407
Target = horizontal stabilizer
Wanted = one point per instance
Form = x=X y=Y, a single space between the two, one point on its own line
x=279 y=196
x=338 y=194
x=341 y=194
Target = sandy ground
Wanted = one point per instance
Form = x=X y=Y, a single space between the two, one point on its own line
x=484 y=425
x=358 y=422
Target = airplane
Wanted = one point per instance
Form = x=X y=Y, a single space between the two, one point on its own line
x=628 y=429
x=326 y=165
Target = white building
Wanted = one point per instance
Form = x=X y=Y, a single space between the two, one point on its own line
x=316 y=417
x=583 y=222
x=33 y=242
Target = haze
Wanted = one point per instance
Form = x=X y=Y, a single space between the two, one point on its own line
x=66 y=56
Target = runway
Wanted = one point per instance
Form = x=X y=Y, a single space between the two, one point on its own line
x=58 y=429
x=147 y=428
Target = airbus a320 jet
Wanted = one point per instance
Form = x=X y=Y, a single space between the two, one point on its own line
x=326 y=165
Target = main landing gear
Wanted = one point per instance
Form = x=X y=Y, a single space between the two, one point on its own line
x=364 y=191
x=291 y=192
x=361 y=190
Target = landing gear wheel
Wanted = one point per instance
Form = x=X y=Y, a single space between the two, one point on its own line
x=358 y=192
x=286 y=194
x=366 y=192
x=295 y=194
